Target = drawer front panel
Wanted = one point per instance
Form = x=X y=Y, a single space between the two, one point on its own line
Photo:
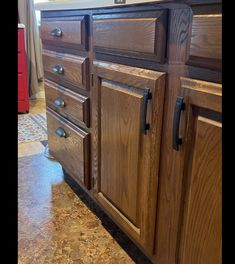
x=206 y=41
x=131 y=34
x=71 y=105
x=65 y=69
x=67 y=32
x=70 y=146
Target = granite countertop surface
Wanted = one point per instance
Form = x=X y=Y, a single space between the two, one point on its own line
x=86 y=4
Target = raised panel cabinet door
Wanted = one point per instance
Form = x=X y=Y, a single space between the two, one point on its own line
x=200 y=239
x=127 y=118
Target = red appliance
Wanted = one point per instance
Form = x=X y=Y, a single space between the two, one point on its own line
x=23 y=95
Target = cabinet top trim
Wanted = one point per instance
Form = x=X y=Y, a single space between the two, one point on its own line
x=87 y=4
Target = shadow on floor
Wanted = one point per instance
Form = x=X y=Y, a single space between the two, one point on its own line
x=131 y=249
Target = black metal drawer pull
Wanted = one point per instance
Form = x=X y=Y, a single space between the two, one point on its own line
x=57 y=32
x=60 y=132
x=58 y=102
x=179 y=106
x=58 y=69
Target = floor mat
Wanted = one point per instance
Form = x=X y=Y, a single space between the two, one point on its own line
x=32 y=127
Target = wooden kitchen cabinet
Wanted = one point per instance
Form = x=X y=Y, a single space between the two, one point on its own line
x=200 y=239
x=128 y=121
x=137 y=90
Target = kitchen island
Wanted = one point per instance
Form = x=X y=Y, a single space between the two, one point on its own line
x=133 y=96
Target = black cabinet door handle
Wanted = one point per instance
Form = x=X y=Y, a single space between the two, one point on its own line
x=60 y=132
x=57 y=32
x=58 y=102
x=146 y=96
x=58 y=69
x=179 y=106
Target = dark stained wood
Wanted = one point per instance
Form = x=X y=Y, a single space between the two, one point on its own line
x=73 y=151
x=75 y=69
x=166 y=205
x=122 y=153
x=131 y=34
x=76 y=106
x=178 y=35
x=200 y=239
x=120 y=146
x=204 y=94
x=170 y=182
x=173 y=67
x=74 y=32
x=206 y=41
x=124 y=74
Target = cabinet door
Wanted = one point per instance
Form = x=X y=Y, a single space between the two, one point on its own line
x=127 y=118
x=201 y=140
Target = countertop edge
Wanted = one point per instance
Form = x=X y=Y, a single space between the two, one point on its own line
x=86 y=5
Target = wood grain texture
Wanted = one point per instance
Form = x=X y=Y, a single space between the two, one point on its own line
x=73 y=151
x=166 y=203
x=119 y=87
x=74 y=74
x=178 y=35
x=74 y=33
x=120 y=146
x=126 y=34
x=76 y=106
x=206 y=41
x=124 y=74
x=131 y=34
x=200 y=237
x=204 y=94
x=203 y=220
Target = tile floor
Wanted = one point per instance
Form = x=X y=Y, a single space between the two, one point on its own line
x=57 y=222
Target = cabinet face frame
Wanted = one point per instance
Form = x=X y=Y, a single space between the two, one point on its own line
x=202 y=116
x=143 y=231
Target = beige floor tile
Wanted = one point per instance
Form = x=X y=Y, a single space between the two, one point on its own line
x=37 y=106
x=57 y=226
x=30 y=148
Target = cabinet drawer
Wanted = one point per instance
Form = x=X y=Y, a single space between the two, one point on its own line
x=65 y=69
x=70 y=146
x=206 y=41
x=131 y=34
x=71 y=105
x=69 y=32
